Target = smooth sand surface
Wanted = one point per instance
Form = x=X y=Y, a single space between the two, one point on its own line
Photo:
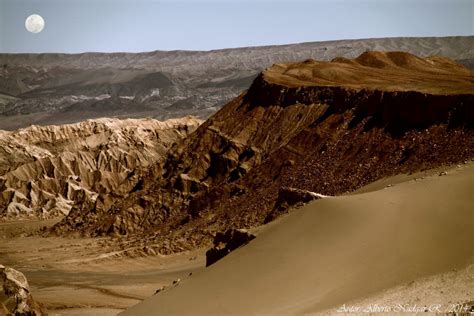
x=449 y=292
x=336 y=250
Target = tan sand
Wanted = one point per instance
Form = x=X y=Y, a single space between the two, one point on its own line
x=449 y=292
x=374 y=70
x=335 y=251
x=88 y=276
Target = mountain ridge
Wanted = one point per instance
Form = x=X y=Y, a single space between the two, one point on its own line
x=229 y=172
x=199 y=82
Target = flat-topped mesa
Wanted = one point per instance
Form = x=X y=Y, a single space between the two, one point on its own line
x=292 y=131
x=398 y=90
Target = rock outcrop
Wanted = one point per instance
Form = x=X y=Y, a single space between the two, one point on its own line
x=47 y=171
x=326 y=127
x=15 y=296
x=291 y=197
x=225 y=243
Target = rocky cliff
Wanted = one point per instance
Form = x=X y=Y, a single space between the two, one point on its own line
x=46 y=171
x=325 y=127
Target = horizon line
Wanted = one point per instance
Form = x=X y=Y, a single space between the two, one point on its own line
x=227 y=48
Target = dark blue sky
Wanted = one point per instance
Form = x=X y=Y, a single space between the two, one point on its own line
x=145 y=25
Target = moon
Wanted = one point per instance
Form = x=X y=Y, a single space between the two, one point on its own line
x=34 y=23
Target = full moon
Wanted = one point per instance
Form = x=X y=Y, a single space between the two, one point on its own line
x=34 y=23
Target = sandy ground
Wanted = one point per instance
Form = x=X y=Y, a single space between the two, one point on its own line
x=450 y=292
x=400 y=240
x=79 y=276
x=369 y=246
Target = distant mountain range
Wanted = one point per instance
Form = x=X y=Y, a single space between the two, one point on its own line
x=66 y=88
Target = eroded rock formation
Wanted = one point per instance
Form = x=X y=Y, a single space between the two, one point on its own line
x=225 y=243
x=291 y=197
x=47 y=171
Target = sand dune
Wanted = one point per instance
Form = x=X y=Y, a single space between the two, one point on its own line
x=336 y=250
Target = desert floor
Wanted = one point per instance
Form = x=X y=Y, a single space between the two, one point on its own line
x=85 y=276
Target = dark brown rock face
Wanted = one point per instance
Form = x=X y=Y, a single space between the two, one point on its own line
x=290 y=197
x=225 y=243
x=395 y=111
x=324 y=137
